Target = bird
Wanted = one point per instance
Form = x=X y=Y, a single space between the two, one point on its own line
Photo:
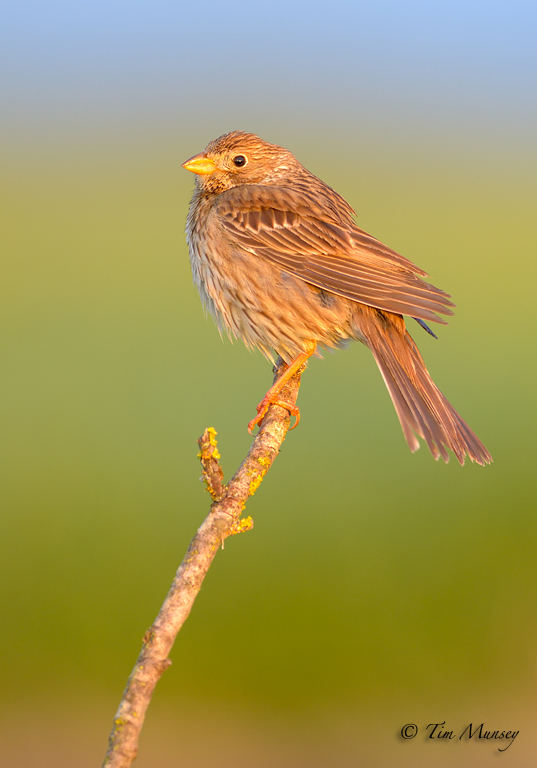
x=280 y=263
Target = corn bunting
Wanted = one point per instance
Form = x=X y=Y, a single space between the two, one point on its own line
x=280 y=263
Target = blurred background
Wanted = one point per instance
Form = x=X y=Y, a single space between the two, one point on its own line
x=378 y=588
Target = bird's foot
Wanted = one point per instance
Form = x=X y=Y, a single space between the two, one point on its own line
x=264 y=405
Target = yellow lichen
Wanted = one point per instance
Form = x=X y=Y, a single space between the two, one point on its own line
x=240 y=526
x=254 y=485
x=211 y=431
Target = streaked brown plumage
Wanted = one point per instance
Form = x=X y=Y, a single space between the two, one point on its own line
x=280 y=263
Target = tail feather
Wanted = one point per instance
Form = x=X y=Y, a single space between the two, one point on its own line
x=421 y=407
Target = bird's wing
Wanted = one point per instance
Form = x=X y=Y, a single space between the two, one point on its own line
x=294 y=232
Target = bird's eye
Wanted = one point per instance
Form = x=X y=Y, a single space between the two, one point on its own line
x=240 y=161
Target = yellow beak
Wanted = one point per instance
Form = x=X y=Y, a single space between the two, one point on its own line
x=200 y=164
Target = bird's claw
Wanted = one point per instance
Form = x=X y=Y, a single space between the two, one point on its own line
x=263 y=407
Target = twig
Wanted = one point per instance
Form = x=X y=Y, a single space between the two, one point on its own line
x=223 y=520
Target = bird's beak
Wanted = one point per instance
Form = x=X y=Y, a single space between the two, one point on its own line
x=200 y=164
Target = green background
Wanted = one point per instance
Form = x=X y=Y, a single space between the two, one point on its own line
x=378 y=588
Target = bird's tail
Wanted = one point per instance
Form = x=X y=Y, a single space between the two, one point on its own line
x=422 y=408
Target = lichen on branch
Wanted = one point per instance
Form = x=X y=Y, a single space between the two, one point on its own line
x=224 y=519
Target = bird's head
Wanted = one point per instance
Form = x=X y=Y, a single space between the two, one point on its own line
x=240 y=158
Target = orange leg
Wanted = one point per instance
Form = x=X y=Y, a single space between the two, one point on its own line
x=271 y=398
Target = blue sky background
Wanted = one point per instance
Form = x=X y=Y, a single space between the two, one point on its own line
x=462 y=67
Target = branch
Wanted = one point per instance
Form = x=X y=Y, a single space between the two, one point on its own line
x=224 y=519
